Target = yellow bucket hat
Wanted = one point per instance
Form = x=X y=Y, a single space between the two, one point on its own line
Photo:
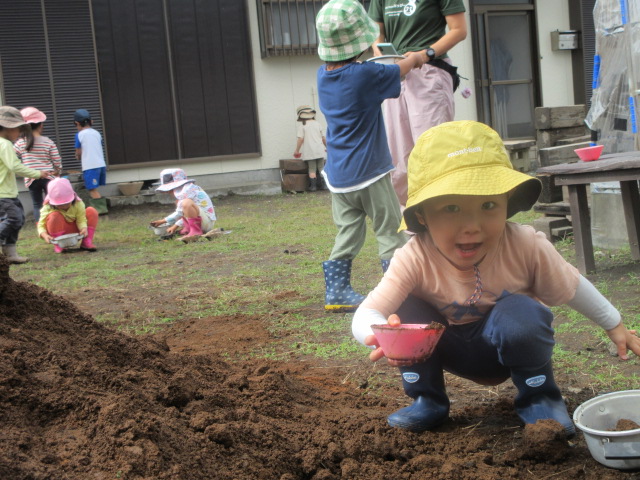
x=464 y=158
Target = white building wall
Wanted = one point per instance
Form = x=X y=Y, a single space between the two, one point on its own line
x=283 y=83
x=462 y=57
x=555 y=66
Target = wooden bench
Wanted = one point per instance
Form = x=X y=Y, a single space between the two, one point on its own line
x=615 y=167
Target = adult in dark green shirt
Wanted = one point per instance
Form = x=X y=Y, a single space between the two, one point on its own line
x=431 y=27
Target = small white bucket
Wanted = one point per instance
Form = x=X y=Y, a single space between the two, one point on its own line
x=68 y=240
x=160 y=229
x=598 y=417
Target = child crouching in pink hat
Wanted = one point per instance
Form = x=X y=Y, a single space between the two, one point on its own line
x=64 y=212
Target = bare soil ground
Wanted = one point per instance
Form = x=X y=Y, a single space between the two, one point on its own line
x=79 y=400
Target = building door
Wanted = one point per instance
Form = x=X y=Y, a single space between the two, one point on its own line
x=506 y=66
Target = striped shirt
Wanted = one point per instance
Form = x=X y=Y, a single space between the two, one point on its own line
x=43 y=156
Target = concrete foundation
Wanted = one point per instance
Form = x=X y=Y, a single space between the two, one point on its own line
x=255 y=182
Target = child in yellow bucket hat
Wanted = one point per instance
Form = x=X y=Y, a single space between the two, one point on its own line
x=488 y=280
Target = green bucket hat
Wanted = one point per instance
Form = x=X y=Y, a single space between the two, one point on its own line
x=344 y=30
x=464 y=158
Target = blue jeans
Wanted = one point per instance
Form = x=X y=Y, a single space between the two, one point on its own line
x=11 y=220
x=516 y=333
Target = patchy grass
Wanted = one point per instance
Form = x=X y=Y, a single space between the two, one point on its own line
x=270 y=266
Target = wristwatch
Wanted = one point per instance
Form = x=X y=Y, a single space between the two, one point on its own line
x=431 y=54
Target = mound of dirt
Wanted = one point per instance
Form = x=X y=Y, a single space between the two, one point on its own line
x=79 y=400
x=625 y=424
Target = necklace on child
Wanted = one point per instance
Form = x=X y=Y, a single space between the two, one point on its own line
x=477 y=293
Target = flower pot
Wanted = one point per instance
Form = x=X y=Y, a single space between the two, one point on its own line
x=130 y=188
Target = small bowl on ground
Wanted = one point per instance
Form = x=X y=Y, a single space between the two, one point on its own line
x=408 y=342
x=589 y=154
x=160 y=230
x=600 y=418
x=130 y=188
x=67 y=241
x=73 y=176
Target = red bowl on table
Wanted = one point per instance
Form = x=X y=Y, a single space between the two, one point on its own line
x=408 y=342
x=588 y=154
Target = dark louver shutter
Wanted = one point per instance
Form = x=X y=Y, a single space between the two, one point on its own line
x=48 y=62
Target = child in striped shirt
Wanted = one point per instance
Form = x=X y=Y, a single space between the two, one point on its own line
x=43 y=155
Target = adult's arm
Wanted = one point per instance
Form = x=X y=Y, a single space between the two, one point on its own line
x=456 y=32
x=380 y=39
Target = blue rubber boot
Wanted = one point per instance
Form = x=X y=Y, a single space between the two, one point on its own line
x=339 y=296
x=539 y=397
x=424 y=382
x=385 y=265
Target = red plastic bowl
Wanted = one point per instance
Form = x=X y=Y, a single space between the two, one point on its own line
x=589 y=154
x=408 y=342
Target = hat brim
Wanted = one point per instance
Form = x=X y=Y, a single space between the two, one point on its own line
x=10 y=123
x=172 y=185
x=62 y=201
x=353 y=47
x=473 y=181
x=38 y=117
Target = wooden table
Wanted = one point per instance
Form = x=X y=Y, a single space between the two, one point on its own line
x=615 y=167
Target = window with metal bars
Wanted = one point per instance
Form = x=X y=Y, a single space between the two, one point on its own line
x=288 y=27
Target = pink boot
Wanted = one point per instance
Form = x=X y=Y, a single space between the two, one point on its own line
x=56 y=248
x=195 y=230
x=87 y=242
x=185 y=227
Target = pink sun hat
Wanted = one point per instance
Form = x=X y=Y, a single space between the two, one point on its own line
x=33 y=115
x=60 y=192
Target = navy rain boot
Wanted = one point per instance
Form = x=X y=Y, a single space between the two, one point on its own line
x=385 y=265
x=539 y=397
x=424 y=382
x=339 y=296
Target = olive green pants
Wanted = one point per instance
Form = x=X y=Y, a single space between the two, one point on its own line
x=350 y=210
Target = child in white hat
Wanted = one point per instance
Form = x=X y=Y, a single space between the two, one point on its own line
x=63 y=213
x=488 y=280
x=311 y=144
x=194 y=213
x=12 y=126
x=358 y=165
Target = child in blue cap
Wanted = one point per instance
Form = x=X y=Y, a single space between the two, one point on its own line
x=89 y=151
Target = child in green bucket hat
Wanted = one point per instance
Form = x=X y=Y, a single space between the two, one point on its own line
x=357 y=171
x=488 y=280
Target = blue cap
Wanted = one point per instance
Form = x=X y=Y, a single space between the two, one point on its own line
x=81 y=115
